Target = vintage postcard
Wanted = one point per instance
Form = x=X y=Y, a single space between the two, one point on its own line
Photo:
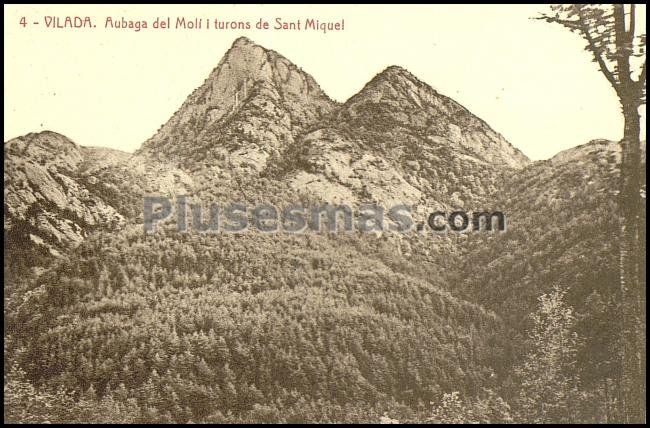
x=324 y=213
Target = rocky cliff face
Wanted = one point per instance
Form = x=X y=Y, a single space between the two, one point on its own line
x=57 y=192
x=47 y=201
x=250 y=107
x=400 y=141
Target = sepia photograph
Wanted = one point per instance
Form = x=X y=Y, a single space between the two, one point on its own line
x=372 y=214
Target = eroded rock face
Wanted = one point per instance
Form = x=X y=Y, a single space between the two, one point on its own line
x=56 y=192
x=255 y=102
x=47 y=201
x=396 y=98
x=398 y=140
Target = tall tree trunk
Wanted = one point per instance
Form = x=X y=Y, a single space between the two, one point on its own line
x=608 y=417
x=632 y=252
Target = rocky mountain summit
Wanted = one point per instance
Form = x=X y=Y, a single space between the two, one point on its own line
x=400 y=141
x=395 y=99
x=252 y=105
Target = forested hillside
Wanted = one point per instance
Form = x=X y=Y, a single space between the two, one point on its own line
x=199 y=326
x=563 y=230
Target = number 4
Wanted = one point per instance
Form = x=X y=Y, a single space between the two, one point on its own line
x=23 y=21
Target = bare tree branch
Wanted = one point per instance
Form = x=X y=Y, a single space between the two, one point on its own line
x=581 y=26
x=571 y=24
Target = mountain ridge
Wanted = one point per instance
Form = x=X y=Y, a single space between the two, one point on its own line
x=260 y=127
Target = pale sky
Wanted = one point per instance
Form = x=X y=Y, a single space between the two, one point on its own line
x=529 y=80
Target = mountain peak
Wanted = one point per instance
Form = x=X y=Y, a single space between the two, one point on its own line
x=395 y=86
x=44 y=135
x=243 y=41
x=256 y=102
x=251 y=91
x=395 y=70
x=245 y=46
x=48 y=141
x=396 y=99
x=396 y=83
